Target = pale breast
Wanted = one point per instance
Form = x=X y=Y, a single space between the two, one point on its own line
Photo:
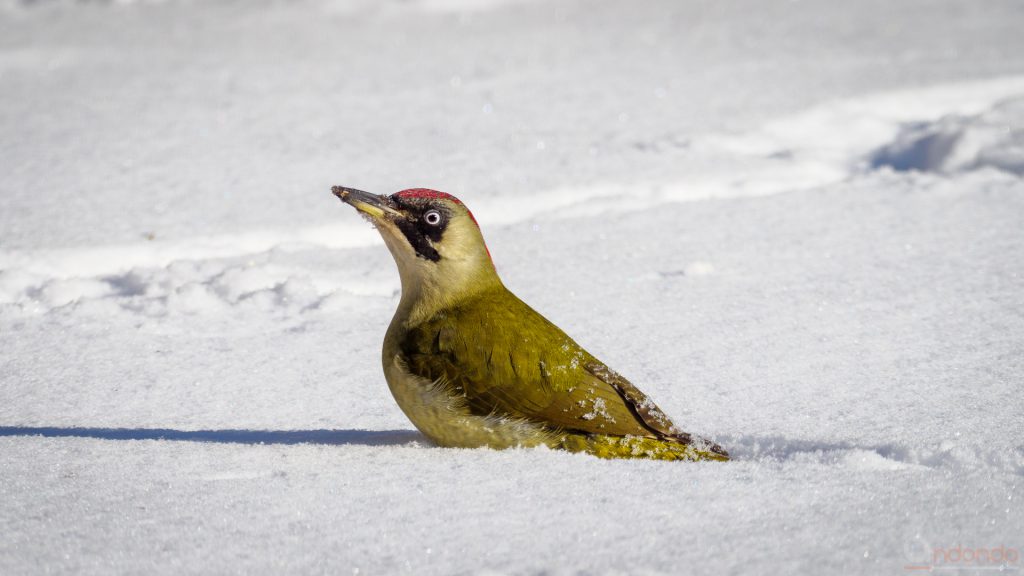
x=444 y=418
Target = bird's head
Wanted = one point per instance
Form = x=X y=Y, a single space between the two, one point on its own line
x=435 y=240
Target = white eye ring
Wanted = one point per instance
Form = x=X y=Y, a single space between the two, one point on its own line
x=433 y=217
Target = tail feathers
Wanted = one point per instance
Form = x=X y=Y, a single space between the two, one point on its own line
x=604 y=446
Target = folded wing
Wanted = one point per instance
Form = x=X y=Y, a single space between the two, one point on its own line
x=506 y=359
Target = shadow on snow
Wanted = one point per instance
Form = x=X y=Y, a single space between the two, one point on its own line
x=334 y=437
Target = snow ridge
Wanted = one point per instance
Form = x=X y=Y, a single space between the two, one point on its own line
x=944 y=128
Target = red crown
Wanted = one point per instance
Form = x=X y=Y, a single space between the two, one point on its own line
x=426 y=193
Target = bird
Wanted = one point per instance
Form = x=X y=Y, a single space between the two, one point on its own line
x=471 y=365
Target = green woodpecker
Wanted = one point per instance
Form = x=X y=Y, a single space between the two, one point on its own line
x=472 y=365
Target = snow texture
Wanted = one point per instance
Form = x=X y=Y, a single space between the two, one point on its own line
x=799 y=227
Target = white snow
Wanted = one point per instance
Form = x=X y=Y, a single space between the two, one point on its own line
x=798 y=226
x=991 y=138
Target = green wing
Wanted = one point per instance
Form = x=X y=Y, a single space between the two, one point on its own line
x=507 y=359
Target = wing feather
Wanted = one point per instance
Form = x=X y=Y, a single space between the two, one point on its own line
x=507 y=359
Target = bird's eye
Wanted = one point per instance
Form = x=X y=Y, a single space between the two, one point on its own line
x=432 y=217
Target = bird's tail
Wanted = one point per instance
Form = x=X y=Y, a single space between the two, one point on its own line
x=604 y=446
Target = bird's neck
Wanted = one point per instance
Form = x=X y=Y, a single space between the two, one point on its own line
x=429 y=288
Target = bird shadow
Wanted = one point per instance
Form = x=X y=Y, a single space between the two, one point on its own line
x=329 y=437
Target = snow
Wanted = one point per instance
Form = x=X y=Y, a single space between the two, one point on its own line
x=798 y=227
x=955 y=143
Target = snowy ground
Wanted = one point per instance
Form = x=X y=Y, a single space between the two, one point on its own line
x=799 y=227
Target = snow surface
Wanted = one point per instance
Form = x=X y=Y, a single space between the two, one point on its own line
x=798 y=226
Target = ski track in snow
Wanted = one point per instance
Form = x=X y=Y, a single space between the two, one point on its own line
x=824 y=145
